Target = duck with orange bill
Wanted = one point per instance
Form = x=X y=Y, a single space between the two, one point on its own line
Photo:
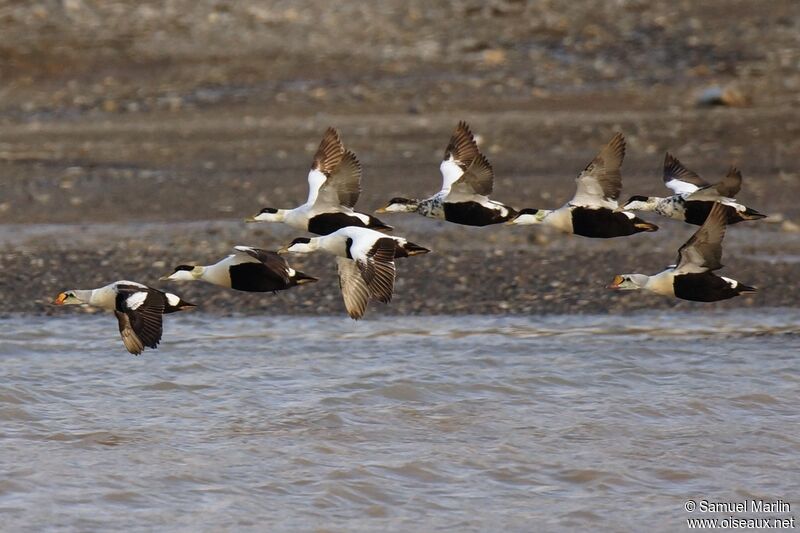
x=692 y=277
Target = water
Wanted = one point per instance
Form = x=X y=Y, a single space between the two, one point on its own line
x=411 y=424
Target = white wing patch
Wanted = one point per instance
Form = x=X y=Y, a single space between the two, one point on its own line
x=451 y=172
x=681 y=187
x=135 y=300
x=315 y=181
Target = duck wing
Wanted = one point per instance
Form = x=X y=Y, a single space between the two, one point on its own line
x=600 y=183
x=378 y=269
x=478 y=178
x=679 y=178
x=354 y=289
x=343 y=185
x=458 y=156
x=703 y=251
x=139 y=312
x=274 y=262
x=326 y=159
x=723 y=191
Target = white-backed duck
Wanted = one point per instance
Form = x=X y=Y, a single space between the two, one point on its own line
x=334 y=185
x=365 y=260
x=247 y=269
x=593 y=211
x=467 y=182
x=694 y=197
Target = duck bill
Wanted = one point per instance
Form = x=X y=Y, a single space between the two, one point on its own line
x=381 y=210
x=283 y=250
x=251 y=219
x=615 y=283
x=60 y=299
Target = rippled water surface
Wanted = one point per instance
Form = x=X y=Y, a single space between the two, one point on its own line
x=410 y=424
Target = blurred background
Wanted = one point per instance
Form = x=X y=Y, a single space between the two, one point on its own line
x=137 y=135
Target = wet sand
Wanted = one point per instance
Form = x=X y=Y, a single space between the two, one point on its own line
x=122 y=155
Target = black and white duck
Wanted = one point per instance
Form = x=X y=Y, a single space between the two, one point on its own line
x=692 y=277
x=365 y=260
x=593 y=211
x=694 y=197
x=467 y=182
x=247 y=269
x=334 y=185
x=138 y=309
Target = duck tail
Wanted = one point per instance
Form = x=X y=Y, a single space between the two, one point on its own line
x=752 y=214
x=745 y=289
x=378 y=225
x=301 y=278
x=180 y=305
x=409 y=249
x=643 y=225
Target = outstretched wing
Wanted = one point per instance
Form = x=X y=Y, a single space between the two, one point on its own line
x=274 y=262
x=354 y=289
x=600 y=183
x=378 y=270
x=679 y=178
x=139 y=312
x=477 y=179
x=328 y=156
x=343 y=185
x=731 y=184
x=458 y=156
x=703 y=250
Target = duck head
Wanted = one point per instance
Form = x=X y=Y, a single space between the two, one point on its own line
x=640 y=203
x=301 y=245
x=399 y=205
x=184 y=273
x=268 y=214
x=628 y=282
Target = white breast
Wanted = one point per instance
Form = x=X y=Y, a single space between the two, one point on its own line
x=560 y=219
x=662 y=283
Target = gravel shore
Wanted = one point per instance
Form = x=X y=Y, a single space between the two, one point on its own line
x=127 y=151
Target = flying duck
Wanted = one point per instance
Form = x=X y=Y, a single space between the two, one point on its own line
x=692 y=277
x=593 y=211
x=694 y=197
x=334 y=184
x=138 y=309
x=365 y=260
x=247 y=269
x=467 y=182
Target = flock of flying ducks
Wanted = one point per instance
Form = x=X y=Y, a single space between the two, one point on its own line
x=365 y=251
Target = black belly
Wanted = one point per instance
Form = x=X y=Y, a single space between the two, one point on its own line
x=327 y=223
x=474 y=214
x=603 y=223
x=697 y=212
x=705 y=287
x=255 y=277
